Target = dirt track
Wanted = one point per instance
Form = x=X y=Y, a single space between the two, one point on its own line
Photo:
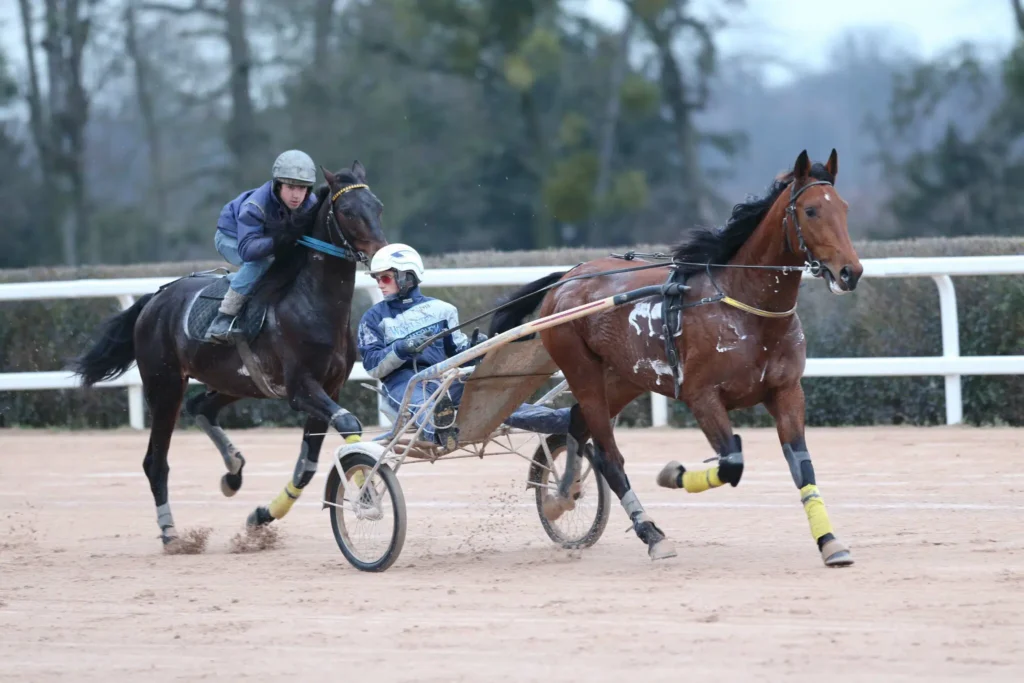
x=933 y=517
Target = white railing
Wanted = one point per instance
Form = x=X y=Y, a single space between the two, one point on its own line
x=950 y=364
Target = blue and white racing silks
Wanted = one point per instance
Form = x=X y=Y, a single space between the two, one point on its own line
x=394 y=319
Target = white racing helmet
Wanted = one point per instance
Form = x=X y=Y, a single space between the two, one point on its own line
x=402 y=259
x=294 y=167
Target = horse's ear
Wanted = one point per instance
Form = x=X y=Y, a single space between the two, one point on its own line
x=329 y=177
x=358 y=171
x=802 y=167
x=832 y=166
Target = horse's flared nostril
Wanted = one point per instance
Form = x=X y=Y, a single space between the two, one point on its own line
x=849 y=277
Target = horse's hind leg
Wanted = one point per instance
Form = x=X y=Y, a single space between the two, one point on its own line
x=305 y=468
x=164 y=395
x=713 y=419
x=786 y=405
x=205 y=408
x=586 y=377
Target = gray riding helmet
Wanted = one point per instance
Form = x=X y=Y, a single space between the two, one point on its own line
x=294 y=167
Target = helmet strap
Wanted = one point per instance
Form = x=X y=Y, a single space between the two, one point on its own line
x=406 y=281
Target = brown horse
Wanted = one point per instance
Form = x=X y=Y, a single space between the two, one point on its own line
x=740 y=342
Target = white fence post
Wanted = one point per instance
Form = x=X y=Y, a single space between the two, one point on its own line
x=659 y=410
x=950 y=321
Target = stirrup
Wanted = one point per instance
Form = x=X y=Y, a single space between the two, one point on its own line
x=221 y=337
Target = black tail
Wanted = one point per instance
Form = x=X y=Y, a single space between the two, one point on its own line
x=114 y=350
x=529 y=297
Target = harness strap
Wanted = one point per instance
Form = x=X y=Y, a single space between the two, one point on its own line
x=671 y=318
x=757 y=311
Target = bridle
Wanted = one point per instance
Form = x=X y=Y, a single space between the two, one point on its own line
x=813 y=265
x=343 y=249
x=332 y=222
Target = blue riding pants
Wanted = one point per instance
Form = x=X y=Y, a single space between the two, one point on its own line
x=249 y=272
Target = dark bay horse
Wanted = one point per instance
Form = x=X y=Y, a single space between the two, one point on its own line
x=742 y=347
x=305 y=349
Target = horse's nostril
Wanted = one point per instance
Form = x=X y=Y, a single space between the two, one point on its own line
x=846 y=274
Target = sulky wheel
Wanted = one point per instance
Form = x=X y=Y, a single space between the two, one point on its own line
x=369 y=526
x=584 y=524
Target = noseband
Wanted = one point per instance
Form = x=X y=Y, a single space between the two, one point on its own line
x=813 y=264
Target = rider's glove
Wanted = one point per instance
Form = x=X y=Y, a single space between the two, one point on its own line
x=406 y=348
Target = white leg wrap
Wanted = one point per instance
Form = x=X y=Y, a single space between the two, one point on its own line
x=163 y=516
x=631 y=503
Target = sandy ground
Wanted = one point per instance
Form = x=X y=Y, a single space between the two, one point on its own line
x=933 y=517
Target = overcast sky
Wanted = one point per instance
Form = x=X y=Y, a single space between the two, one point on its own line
x=796 y=30
x=805 y=30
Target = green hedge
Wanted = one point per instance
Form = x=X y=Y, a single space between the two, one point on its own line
x=889 y=317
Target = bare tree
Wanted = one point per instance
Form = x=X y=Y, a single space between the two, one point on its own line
x=684 y=87
x=144 y=79
x=59 y=116
x=612 y=112
x=323 y=17
x=242 y=134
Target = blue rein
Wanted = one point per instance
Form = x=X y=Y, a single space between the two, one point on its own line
x=325 y=247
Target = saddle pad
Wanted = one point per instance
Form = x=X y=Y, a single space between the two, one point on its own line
x=203 y=310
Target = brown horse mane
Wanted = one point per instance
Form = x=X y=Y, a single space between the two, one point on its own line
x=702 y=246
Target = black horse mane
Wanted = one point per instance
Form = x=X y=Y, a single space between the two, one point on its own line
x=718 y=246
x=290 y=260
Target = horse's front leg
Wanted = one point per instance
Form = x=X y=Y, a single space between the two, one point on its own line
x=305 y=468
x=308 y=395
x=787 y=405
x=713 y=419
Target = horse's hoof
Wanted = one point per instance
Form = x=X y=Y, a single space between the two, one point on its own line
x=662 y=550
x=230 y=483
x=836 y=554
x=670 y=475
x=168 y=535
x=555 y=506
x=730 y=469
x=259 y=517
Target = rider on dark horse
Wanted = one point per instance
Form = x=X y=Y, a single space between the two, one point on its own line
x=241 y=237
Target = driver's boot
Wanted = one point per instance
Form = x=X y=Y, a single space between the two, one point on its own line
x=219 y=331
x=446 y=434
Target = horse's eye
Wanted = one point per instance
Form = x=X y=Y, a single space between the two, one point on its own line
x=811 y=212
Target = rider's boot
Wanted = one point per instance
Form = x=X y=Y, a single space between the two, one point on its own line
x=445 y=432
x=219 y=331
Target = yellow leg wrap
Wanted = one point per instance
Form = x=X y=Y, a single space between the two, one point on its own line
x=280 y=506
x=358 y=477
x=353 y=438
x=701 y=480
x=814 y=506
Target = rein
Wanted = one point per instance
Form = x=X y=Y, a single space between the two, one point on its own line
x=811 y=265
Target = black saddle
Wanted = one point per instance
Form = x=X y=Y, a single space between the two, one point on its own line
x=203 y=310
